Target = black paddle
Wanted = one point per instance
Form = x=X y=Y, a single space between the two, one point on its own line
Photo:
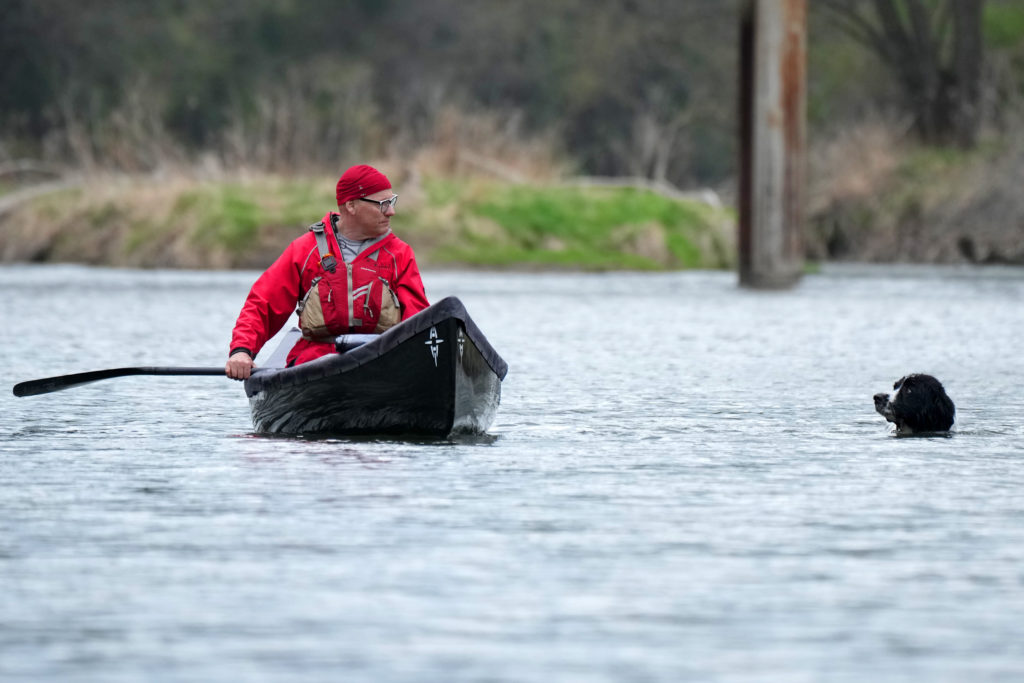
x=34 y=387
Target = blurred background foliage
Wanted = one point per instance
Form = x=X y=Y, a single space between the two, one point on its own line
x=638 y=88
x=523 y=91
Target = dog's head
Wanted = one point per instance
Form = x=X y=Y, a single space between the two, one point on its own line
x=918 y=404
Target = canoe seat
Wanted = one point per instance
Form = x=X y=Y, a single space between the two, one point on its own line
x=347 y=342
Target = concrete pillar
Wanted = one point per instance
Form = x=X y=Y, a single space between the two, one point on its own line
x=773 y=47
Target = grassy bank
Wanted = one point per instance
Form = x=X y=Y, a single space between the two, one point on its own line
x=244 y=222
x=873 y=195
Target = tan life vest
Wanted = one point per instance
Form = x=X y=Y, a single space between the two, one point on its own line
x=348 y=298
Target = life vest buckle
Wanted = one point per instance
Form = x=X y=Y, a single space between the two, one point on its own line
x=327 y=259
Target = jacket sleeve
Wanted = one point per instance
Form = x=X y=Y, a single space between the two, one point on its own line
x=270 y=302
x=409 y=284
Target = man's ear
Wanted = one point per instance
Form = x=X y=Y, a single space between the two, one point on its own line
x=349 y=207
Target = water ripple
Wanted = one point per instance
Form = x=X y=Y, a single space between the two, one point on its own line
x=712 y=498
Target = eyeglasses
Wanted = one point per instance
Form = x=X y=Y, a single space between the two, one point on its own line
x=384 y=204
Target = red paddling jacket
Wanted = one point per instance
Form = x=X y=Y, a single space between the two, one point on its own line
x=348 y=296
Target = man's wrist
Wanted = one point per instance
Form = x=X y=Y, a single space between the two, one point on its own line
x=241 y=349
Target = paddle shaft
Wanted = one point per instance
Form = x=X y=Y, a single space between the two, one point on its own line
x=46 y=385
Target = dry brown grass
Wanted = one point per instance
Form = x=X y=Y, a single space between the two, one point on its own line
x=488 y=145
x=853 y=162
x=876 y=195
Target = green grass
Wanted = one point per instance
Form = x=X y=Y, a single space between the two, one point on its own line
x=1003 y=25
x=233 y=216
x=592 y=228
x=450 y=222
x=925 y=163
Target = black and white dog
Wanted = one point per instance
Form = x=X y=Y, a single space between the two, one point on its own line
x=919 y=404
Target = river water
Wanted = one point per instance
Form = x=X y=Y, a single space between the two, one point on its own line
x=685 y=481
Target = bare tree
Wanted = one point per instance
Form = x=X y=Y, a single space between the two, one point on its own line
x=935 y=50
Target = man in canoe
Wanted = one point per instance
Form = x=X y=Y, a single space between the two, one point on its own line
x=348 y=274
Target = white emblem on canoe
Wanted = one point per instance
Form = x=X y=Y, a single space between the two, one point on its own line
x=462 y=342
x=434 y=342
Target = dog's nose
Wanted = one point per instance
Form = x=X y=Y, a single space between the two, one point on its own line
x=881 y=400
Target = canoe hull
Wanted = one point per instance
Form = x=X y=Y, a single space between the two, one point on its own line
x=428 y=376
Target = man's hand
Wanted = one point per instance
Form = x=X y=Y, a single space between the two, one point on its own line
x=239 y=366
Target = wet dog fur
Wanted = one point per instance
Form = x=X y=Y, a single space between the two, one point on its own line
x=919 y=404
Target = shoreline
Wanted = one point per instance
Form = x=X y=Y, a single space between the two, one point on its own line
x=247 y=221
x=914 y=206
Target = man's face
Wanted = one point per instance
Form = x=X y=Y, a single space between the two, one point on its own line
x=368 y=221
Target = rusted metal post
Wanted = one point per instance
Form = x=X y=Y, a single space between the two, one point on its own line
x=773 y=47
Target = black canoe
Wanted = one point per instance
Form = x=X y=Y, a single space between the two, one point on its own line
x=434 y=374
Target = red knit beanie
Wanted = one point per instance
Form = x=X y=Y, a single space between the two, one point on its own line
x=360 y=181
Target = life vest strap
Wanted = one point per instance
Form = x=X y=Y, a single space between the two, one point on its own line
x=327 y=259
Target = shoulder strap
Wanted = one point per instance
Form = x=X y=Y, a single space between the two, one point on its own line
x=327 y=259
